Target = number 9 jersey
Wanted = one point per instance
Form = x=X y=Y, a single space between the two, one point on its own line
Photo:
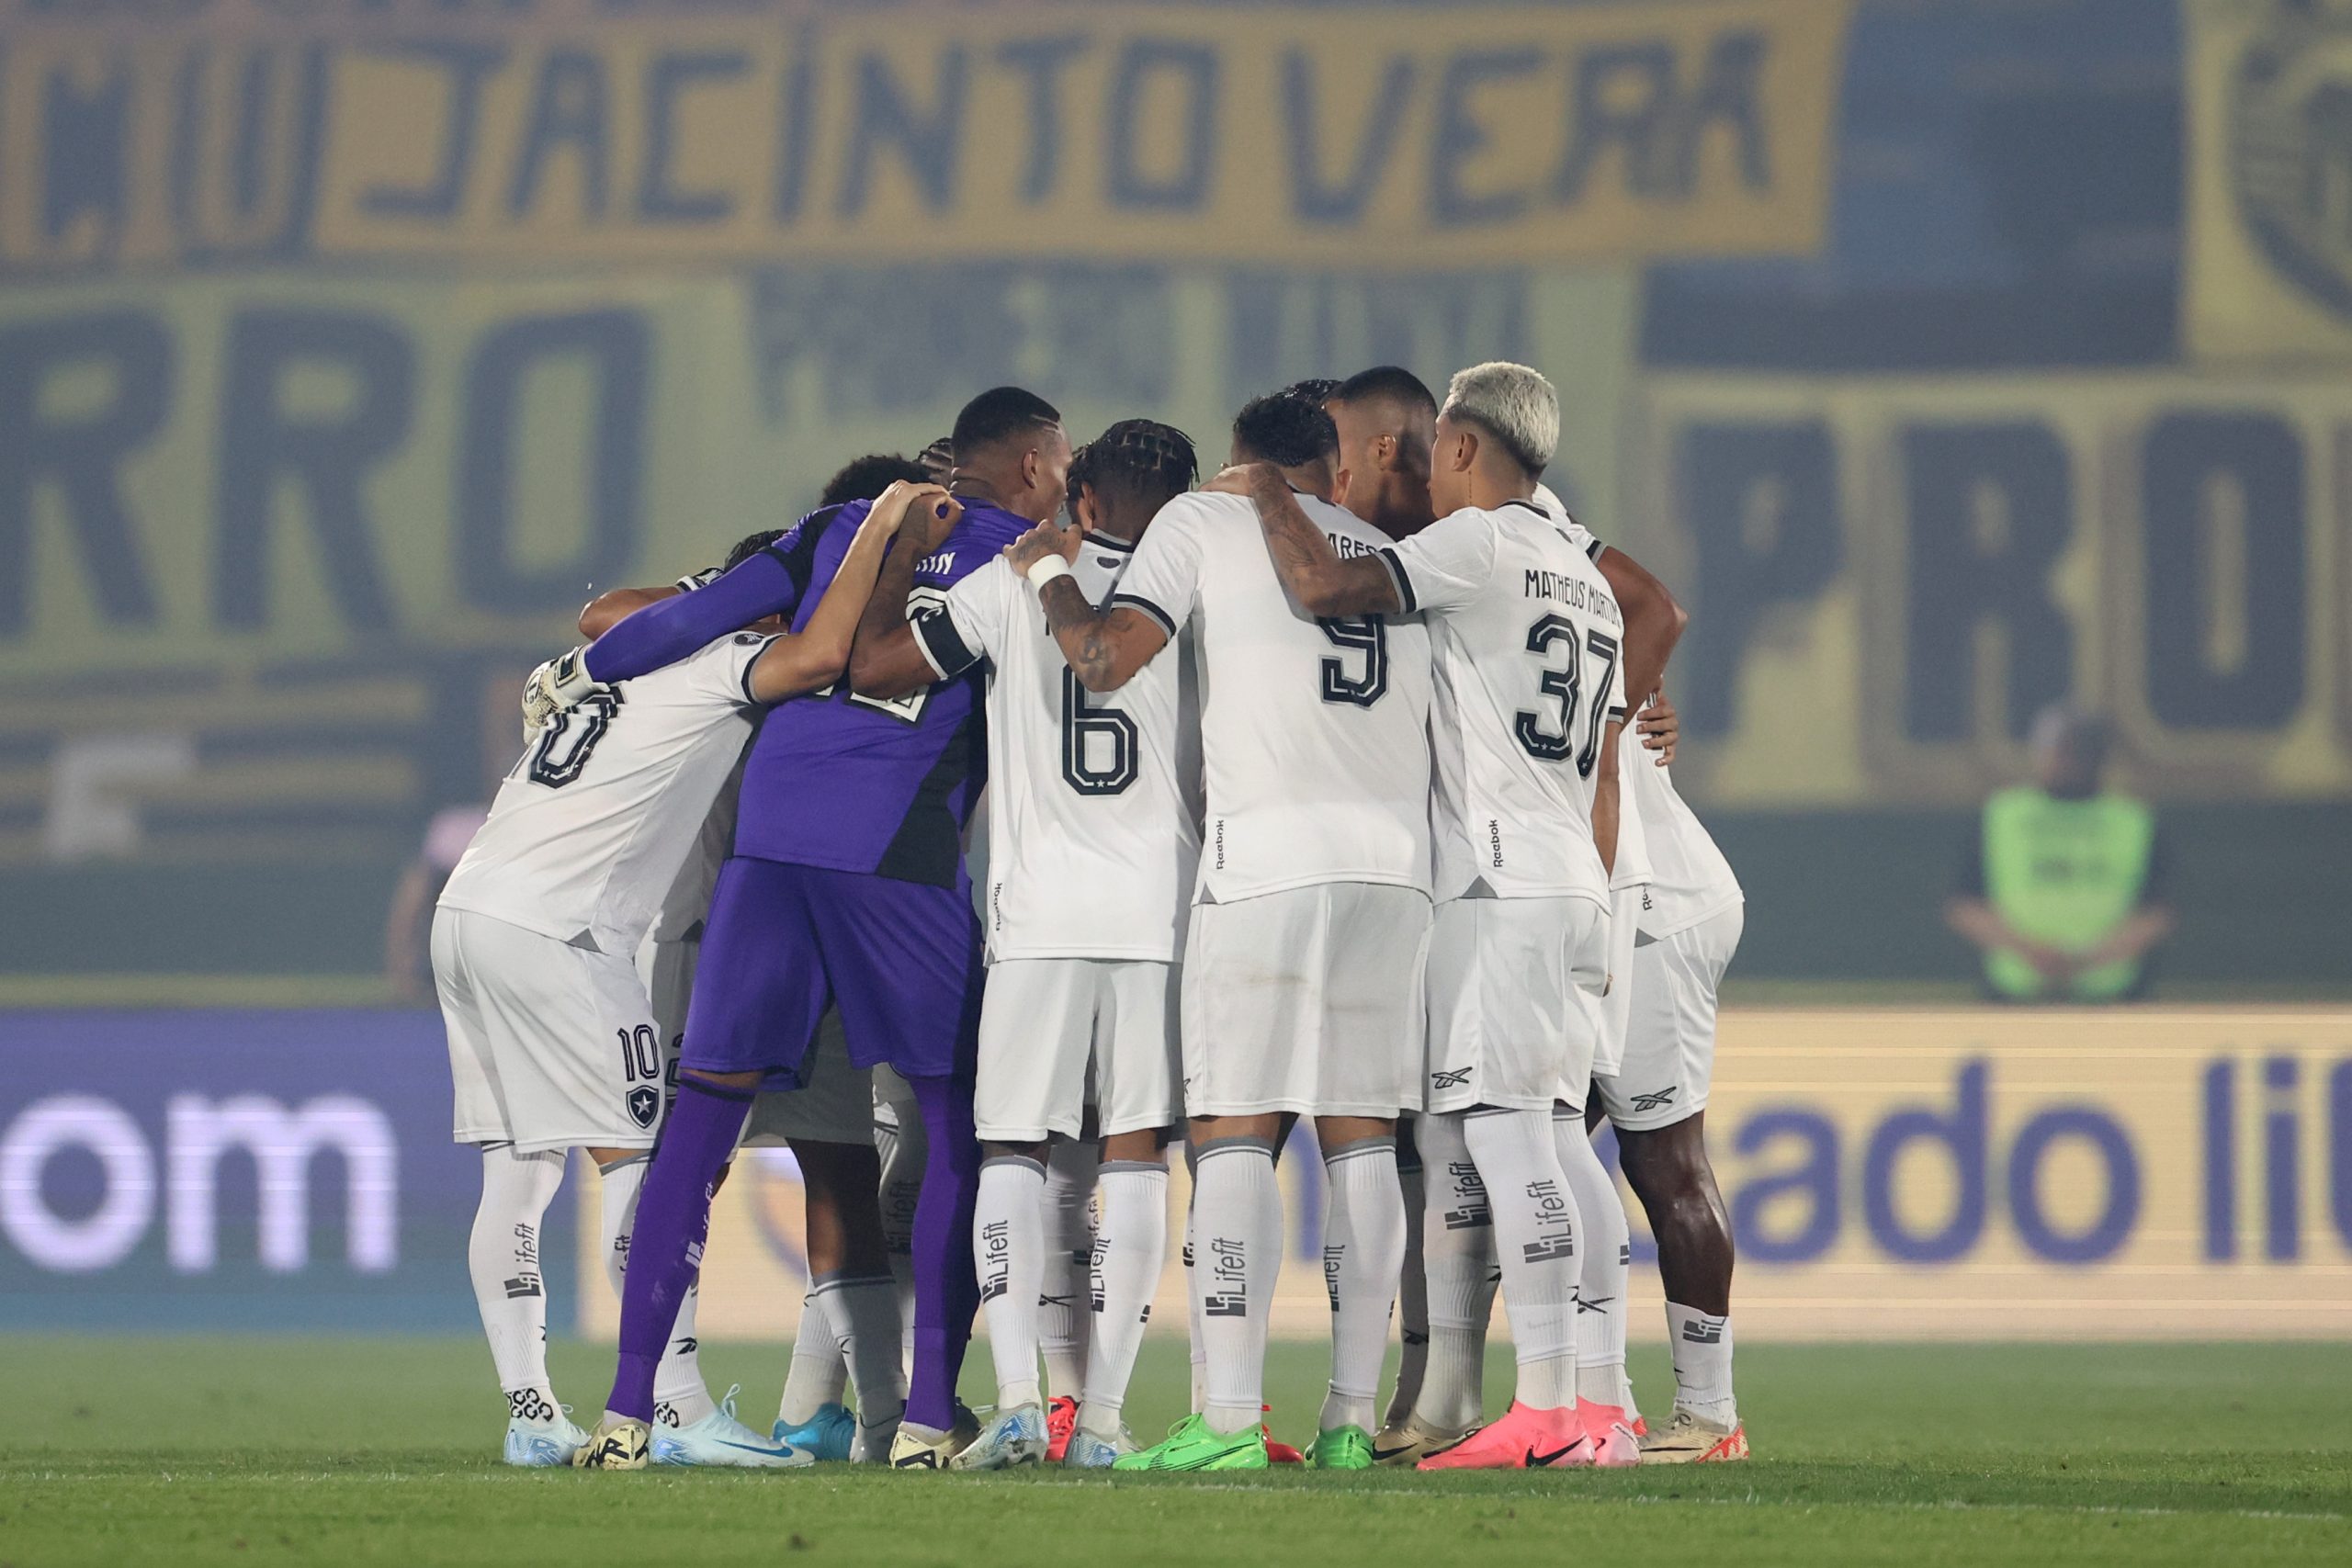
x=1527 y=642
x=1093 y=800
x=1314 y=733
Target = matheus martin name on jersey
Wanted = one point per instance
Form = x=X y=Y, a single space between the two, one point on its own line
x=1576 y=593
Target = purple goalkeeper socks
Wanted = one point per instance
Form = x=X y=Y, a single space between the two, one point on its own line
x=673 y=1222
x=948 y=1292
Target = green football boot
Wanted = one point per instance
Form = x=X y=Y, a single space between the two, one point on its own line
x=1190 y=1445
x=1341 y=1448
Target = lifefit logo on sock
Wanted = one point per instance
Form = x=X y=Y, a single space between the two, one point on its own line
x=1699 y=1331
x=526 y=1244
x=1657 y=1100
x=996 y=1271
x=526 y=1404
x=1228 y=1279
x=1091 y=1261
x=1554 y=1223
x=522 y=1285
x=1333 y=1256
x=1467 y=1208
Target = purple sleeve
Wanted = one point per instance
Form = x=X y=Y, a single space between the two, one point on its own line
x=770 y=583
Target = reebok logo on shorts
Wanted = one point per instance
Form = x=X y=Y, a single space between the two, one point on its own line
x=1659 y=1100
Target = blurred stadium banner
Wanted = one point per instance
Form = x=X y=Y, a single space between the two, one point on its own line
x=581 y=133
x=282 y=1171
x=2269 y=212
x=1890 y=576
x=1958 y=1175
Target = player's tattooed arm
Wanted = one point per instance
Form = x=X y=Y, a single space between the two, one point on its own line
x=1312 y=572
x=816 y=656
x=1103 y=650
x=884 y=661
x=1654 y=623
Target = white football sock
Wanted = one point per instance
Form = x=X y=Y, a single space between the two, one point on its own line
x=1701 y=1344
x=901 y=1188
x=1009 y=1249
x=679 y=1397
x=818 y=1374
x=1196 y=1338
x=1064 y=1314
x=1536 y=1243
x=503 y=1256
x=862 y=1311
x=1458 y=1260
x=1604 y=1267
x=1412 y=1302
x=1363 y=1251
x=1130 y=1249
x=1236 y=1258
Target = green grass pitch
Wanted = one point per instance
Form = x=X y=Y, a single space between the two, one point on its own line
x=193 y=1452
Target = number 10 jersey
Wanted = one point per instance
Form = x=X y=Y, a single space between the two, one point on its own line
x=1093 y=800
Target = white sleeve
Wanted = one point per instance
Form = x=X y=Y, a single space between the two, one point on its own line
x=1164 y=580
x=1578 y=534
x=970 y=626
x=1446 y=565
x=722 y=671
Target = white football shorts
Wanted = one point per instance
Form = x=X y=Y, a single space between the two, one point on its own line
x=1057 y=1034
x=1670 y=1039
x=1307 y=1000
x=1512 y=1007
x=551 y=1046
x=1616 y=1002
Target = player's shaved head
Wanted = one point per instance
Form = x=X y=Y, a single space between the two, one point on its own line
x=1010 y=450
x=865 y=478
x=1387 y=421
x=1293 y=435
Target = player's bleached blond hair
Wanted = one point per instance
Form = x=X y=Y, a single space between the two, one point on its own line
x=1512 y=403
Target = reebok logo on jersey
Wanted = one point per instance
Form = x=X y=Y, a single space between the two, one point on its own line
x=1453 y=1077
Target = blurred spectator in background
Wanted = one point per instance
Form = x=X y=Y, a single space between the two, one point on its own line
x=475 y=714
x=2064 y=885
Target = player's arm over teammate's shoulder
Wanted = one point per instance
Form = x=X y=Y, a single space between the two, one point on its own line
x=884 y=661
x=1104 y=648
x=818 y=653
x=1318 y=579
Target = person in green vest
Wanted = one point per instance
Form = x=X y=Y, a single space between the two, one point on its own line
x=2064 y=885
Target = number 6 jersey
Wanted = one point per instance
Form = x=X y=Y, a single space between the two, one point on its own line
x=1526 y=637
x=590 y=829
x=1314 y=733
x=1093 y=813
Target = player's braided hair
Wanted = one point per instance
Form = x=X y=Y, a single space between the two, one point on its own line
x=1140 y=457
x=750 y=546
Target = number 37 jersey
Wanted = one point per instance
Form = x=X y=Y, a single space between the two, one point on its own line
x=1526 y=637
x=1314 y=733
x=1094 y=817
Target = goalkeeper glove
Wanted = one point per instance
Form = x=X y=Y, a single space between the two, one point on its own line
x=554 y=686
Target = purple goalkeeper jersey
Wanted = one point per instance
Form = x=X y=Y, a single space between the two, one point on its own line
x=857 y=783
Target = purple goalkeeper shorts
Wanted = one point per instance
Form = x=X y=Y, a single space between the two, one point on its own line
x=900 y=960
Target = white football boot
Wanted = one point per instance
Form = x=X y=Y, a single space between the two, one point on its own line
x=1012 y=1438
x=719 y=1439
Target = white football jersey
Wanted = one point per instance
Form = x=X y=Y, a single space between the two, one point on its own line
x=1578 y=534
x=1093 y=828
x=1690 y=879
x=588 y=832
x=1631 y=866
x=687 y=904
x=1314 y=733
x=1526 y=637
